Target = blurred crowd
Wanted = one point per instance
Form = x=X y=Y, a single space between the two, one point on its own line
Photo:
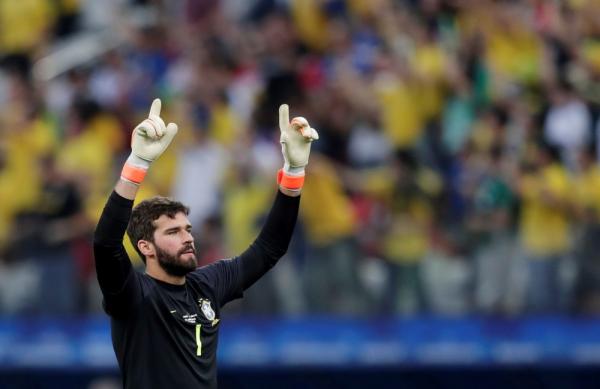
x=457 y=170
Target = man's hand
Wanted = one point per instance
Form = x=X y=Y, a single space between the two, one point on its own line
x=151 y=138
x=296 y=137
x=148 y=141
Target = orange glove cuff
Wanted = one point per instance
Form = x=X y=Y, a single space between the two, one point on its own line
x=289 y=182
x=132 y=173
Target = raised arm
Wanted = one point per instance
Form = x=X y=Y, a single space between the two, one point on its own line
x=272 y=242
x=149 y=140
x=229 y=278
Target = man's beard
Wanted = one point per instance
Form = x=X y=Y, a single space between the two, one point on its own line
x=173 y=265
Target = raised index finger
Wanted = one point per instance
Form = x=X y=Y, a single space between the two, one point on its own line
x=155 y=108
x=284 y=117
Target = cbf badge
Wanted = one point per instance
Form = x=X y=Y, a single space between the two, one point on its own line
x=207 y=310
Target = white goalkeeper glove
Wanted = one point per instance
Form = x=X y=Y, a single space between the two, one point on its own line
x=148 y=141
x=296 y=137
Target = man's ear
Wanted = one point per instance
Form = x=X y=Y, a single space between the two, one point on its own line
x=146 y=247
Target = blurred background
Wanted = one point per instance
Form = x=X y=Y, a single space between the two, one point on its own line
x=449 y=233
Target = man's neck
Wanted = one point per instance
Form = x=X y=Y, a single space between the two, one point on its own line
x=158 y=273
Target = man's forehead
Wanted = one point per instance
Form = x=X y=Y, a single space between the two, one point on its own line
x=165 y=221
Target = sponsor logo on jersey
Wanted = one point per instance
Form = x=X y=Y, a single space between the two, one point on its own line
x=190 y=318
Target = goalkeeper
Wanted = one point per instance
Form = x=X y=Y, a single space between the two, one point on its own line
x=165 y=322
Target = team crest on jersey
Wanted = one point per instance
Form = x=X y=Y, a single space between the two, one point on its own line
x=206 y=309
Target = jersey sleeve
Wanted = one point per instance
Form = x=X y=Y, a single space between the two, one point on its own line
x=229 y=278
x=117 y=279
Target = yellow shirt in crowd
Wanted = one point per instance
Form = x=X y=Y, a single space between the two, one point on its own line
x=24 y=24
x=430 y=63
x=407 y=239
x=587 y=190
x=310 y=23
x=326 y=210
x=545 y=226
x=243 y=208
x=401 y=112
x=23 y=145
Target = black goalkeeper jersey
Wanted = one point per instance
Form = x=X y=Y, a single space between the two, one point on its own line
x=165 y=335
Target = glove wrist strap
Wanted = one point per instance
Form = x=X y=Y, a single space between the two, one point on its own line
x=293 y=170
x=289 y=181
x=135 y=169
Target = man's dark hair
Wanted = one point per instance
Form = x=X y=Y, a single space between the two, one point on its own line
x=141 y=225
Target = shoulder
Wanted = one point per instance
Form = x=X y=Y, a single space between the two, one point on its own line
x=211 y=271
x=148 y=285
